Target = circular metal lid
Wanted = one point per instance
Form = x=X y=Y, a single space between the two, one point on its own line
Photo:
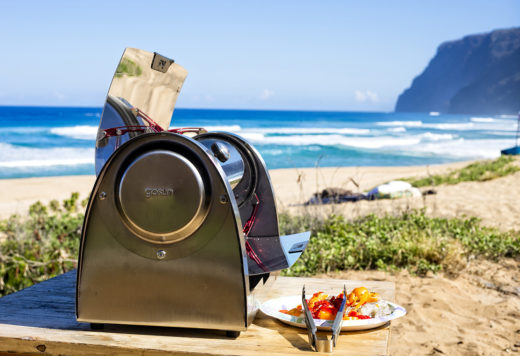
x=161 y=197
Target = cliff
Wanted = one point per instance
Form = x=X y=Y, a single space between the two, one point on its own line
x=479 y=74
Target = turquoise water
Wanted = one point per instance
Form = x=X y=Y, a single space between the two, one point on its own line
x=49 y=141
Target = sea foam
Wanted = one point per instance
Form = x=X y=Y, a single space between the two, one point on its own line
x=47 y=163
x=397 y=129
x=310 y=130
x=16 y=156
x=80 y=132
x=400 y=123
x=482 y=119
x=428 y=136
x=461 y=148
x=335 y=140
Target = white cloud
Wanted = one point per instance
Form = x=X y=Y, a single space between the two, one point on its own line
x=266 y=94
x=366 y=96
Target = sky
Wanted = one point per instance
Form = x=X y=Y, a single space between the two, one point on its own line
x=288 y=55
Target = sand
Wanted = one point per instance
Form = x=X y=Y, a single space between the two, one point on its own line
x=293 y=187
x=496 y=202
x=474 y=313
x=16 y=195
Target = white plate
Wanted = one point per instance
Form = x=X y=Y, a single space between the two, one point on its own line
x=272 y=307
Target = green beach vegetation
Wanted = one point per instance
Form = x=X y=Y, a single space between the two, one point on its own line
x=410 y=241
x=45 y=243
x=41 y=245
x=475 y=172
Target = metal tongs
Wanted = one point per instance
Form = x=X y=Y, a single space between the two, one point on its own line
x=318 y=343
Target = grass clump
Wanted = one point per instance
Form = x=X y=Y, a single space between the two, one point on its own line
x=41 y=245
x=475 y=172
x=412 y=241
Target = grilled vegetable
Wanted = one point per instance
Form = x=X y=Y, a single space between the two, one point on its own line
x=324 y=307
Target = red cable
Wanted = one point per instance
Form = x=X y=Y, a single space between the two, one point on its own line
x=249 y=224
x=247 y=228
x=121 y=130
x=148 y=119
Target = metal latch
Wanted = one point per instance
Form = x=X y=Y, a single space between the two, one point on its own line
x=161 y=63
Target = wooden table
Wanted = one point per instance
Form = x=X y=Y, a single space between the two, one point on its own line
x=40 y=319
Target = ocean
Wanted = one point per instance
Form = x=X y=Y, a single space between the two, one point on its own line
x=55 y=141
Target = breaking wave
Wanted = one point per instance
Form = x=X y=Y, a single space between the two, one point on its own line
x=80 y=132
x=12 y=156
x=400 y=123
x=482 y=119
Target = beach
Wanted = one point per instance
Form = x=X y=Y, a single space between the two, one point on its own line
x=473 y=312
x=495 y=201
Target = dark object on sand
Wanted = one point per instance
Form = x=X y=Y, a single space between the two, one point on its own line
x=335 y=196
x=429 y=192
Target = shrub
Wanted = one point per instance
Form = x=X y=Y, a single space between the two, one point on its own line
x=45 y=243
x=478 y=171
x=411 y=240
x=40 y=245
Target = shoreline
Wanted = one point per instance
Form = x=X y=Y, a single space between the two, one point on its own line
x=494 y=201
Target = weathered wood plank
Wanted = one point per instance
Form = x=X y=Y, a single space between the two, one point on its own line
x=42 y=319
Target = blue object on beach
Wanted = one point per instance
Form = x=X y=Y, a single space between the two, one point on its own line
x=511 y=151
x=515 y=150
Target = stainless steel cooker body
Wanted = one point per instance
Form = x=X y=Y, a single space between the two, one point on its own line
x=161 y=244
